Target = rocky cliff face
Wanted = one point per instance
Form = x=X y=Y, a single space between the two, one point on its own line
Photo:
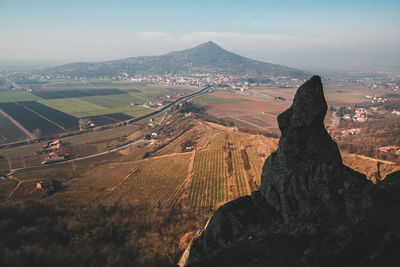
x=310 y=209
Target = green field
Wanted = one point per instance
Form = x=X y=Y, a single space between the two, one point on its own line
x=74 y=106
x=153 y=90
x=81 y=109
x=115 y=101
x=210 y=99
x=136 y=111
x=17 y=97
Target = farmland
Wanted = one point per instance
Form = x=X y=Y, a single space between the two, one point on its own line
x=209 y=184
x=6 y=97
x=109 y=118
x=212 y=99
x=50 y=108
x=66 y=121
x=30 y=120
x=82 y=109
x=202 y=178
x=114 y=101
x=71 y=93
x=74 y=106
x=154 y=91
x=9 y=132
x=159 y=181
x=220 y=172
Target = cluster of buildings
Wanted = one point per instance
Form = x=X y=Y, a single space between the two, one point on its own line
x=376 y=99
x=54 y=150
x=360 y=115
x=353 y=131
x=205 y=79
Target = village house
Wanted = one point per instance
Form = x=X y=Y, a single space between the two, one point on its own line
x=360 y=115
x=395 y=112
x=39 y=185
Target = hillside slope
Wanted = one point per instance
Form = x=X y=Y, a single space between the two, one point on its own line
x=205 y=58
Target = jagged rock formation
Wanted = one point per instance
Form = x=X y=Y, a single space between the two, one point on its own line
x=305 y=179
x=310 y=209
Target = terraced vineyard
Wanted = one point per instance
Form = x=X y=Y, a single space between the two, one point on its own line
x=156 y=182
x=159 y=181
x=213 y=183
x=209 y=184
x=257 y=149
x=104 y=177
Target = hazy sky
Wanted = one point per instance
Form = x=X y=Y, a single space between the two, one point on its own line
x=350 y=34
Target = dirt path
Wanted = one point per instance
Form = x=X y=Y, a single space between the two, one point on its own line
x=123 y=180
x=13 y=191
x=372 y=159
x=188 y=180
x=247 y=122
x=335 y=121
x=31 y=136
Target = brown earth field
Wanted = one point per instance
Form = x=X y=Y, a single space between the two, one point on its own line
x=259 y=112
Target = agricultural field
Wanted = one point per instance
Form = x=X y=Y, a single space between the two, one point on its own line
x=153 y=91
x=9 y=132
x=109 y=118
x=31 y=121
x=209 y=183
x=74 y=106
x=81 y=109
x=71 y=93
x=62 y=119
x=213 y=99
x=55 y=107
x=229 y=166
x=114 y=101
x=159 y=181
x=8 y=96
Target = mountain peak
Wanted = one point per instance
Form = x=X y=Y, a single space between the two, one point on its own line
x=207 y=49
x=209 y=45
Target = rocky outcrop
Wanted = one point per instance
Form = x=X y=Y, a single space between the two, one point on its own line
x=309 y=205
x=305 y=179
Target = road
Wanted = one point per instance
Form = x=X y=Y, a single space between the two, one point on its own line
x=335 y=122
x=373 y=159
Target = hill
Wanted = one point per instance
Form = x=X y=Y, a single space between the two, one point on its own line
x=205 y=58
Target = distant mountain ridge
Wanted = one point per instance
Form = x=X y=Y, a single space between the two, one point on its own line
x=205 y=58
